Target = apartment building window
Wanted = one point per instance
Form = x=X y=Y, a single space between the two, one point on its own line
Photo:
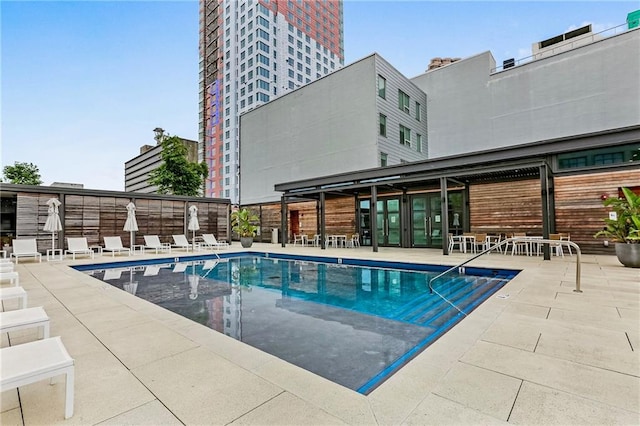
x=263 y=85
x=263 y=46
x=383 y=159
x=418 y=142
x=403 y=101
x=382 y=87
x=262 y=97
x=383 y=125
x=418 y=111
x=262 y=71
x=262 y=21
x=405 y=136
x=263 y=34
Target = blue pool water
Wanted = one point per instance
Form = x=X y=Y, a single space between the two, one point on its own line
x=354 y=322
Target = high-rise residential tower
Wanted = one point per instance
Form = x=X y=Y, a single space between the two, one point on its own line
x=251 y=52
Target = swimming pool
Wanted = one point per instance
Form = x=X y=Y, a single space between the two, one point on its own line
x=354 y=322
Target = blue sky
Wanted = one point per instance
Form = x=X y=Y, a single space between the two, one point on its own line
x=85 y=82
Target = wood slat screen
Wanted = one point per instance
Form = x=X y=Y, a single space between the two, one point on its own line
x=506 y=207
x=95 y=217
x=579 y=209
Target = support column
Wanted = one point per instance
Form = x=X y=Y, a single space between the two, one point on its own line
x=323 y=224
x=546 y=216
x=444 y=207
x=283 y=221
x=374 y=218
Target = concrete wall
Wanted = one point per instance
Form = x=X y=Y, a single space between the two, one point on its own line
x=327 y=127
x=588 y=89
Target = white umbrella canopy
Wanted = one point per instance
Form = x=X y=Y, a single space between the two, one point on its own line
x=193 y=221
x=53 y=223
x=131 y=224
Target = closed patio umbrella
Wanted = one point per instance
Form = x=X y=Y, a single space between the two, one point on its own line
x=53 y=223
x=193 y=222
x=131 y=224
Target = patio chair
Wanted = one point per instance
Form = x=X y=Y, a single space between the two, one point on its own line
x=556 y=247
x=114 y=245
x=25 y=248
x=13 y=277
x=152 y=242
x=209 y=240
x=519 y=246
x=180 y=241
x=481 y=242
x=78 y=246
x=6 y=267
x=34 y=361
x=298 y=238
x=25 y=318
x=14 y=293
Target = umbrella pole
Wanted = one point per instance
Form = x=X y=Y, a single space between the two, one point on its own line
x=131 y=240
x=53 y=240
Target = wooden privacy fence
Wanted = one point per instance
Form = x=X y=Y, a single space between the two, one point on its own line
x=97 y=216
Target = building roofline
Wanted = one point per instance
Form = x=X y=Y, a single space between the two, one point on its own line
x=15 y=188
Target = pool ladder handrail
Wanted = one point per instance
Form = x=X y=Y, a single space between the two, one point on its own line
x=460 y=266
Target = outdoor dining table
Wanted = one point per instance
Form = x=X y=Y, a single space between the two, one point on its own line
x=337 y=240
x=469 y=239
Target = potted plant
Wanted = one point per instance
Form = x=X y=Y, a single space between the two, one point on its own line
x=243 y=224
x=623 y=227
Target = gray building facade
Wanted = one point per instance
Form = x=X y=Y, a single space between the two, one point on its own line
x=362 y=116
x=590 y=88
x=137 y=170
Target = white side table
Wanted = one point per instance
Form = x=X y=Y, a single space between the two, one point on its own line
x=137 y=249
x=54 y=255
x=96 y=249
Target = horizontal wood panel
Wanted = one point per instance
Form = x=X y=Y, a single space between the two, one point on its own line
x=506 y=207
x=579 y=208
x=95 y=217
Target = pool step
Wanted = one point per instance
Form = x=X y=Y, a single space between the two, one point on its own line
x=466 y=302
x=464 y=292
x=416 y=308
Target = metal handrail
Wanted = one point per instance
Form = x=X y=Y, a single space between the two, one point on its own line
x=504 y=242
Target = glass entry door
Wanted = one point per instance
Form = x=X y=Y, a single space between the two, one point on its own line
x=426 y=220
x=388 y=222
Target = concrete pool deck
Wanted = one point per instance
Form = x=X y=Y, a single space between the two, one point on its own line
x=534 y=353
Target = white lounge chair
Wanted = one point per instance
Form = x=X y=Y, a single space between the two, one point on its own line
x=25 y=318
x=78 y=246
x=34 y=361
x=180 y=241
x=6 y=267
x=13 y=277
x=153 y=242
x=14 y=293
x=114 y=245
x=210 y=241
x=25 y=248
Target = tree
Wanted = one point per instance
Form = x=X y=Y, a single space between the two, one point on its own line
x=177 y=175
x=22 y=173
